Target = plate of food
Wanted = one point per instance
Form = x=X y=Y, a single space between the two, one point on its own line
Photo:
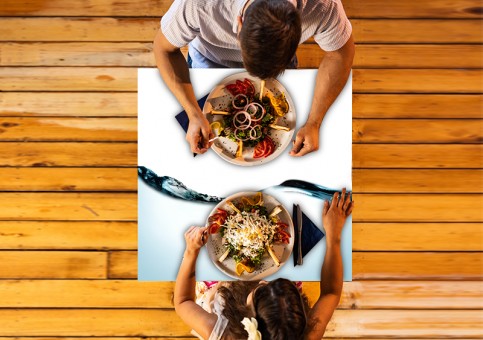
x=253 y=120
x=251 y=235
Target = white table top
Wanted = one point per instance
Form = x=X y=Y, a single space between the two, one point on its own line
x=162 y=148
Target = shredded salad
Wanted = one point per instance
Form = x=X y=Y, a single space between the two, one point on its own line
x=250 y=117
x=248 y=230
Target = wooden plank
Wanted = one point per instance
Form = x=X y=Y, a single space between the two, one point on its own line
x=135 y=294
x=122 y=207
x=61 y=235
x=15 y=104
x=418 y=208
x=144 y=29
x=417 y=81
x=416 y=106
x=453 y=131
x=417 y=236
x=416 y=156
x=68 y=79
x=417 y=181
x=68 y=129
x=394 y=56
x=416 y=31
x=354 y=8
x=142 y=322
x=366 y=265
x=123 y=265
x=416 y=266
x=68 y=179
x=310 y=55
x=125 y=79
x=68 y=206
x=52 y=265
x=413 y=9
x=68 y=154
x=38 y=104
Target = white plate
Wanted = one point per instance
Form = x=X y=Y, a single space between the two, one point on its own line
x=267 y=266
x=219 y=99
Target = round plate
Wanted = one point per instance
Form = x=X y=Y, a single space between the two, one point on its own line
x=267 y=266
x=219 y=99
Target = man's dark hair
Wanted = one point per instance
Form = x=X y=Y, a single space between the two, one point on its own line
x=269 y=37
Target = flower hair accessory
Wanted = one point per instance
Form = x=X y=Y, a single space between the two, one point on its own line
x=251 y=326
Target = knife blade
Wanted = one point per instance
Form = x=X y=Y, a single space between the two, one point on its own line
x=300 y=260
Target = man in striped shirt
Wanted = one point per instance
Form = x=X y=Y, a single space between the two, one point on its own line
x=261 y=36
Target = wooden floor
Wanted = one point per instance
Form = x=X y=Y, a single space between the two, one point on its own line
x=68 y=231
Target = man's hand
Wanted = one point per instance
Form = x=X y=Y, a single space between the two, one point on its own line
x=335 y=213
x=199 y=134
x=307 y=140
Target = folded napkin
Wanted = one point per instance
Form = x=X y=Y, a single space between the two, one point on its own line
x=311 y=235
x=183 y=119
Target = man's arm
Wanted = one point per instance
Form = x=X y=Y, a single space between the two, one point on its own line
x=334 y=216
x=174 y=70
x=184 y=291
x=331 y=79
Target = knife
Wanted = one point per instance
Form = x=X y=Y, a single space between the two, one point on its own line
x=300 y=260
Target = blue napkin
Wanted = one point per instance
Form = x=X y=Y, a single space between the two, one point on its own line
x=311 y=235
x=183 y=119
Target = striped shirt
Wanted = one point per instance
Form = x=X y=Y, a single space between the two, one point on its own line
x=210 y=28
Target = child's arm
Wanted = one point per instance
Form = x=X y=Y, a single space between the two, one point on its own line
x=334 y=216
x=184 y=291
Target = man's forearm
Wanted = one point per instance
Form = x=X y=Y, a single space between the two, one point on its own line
x=332 y=273
x=331 y=78
x=174 y=70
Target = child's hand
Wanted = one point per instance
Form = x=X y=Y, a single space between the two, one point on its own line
x=335 y=214
x=196 y=237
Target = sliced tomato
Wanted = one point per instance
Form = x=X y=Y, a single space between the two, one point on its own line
x=233 y=89
x=260 y=149
x=213 y=228
x=250 y=87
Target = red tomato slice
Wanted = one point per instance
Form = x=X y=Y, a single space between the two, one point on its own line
x=213 y=228
x=233 y=89
x=250 y=87
x=260 y=149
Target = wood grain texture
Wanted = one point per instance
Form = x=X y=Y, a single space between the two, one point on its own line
x=117 y=29
x=417 y=81
x=310 y=55
x=52 y=265
x=68 y=179
x=68 y=129
x=416 y=266
x=68 y=79
x=367 y=9
x=416 y=156
x=68 y=235
x=417 y=181
x=422 y=131
x=147 y=322
x=125 y=79
x=417 y=236
x=68 y=154
x=135 y=294
x=68 y=206
x=416 y=106
x=66 y=104
x=418 y=208
x=365 y=265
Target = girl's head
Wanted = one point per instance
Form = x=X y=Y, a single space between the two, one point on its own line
x=280 y=309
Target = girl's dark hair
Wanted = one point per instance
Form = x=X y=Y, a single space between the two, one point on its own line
x=269 y=37
x=235 y=309
x=281 y=310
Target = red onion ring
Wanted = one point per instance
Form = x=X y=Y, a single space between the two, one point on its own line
x=242 y=123
x=254 y=130
x=236 y=97
x=252 y=110
x=235 y=133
